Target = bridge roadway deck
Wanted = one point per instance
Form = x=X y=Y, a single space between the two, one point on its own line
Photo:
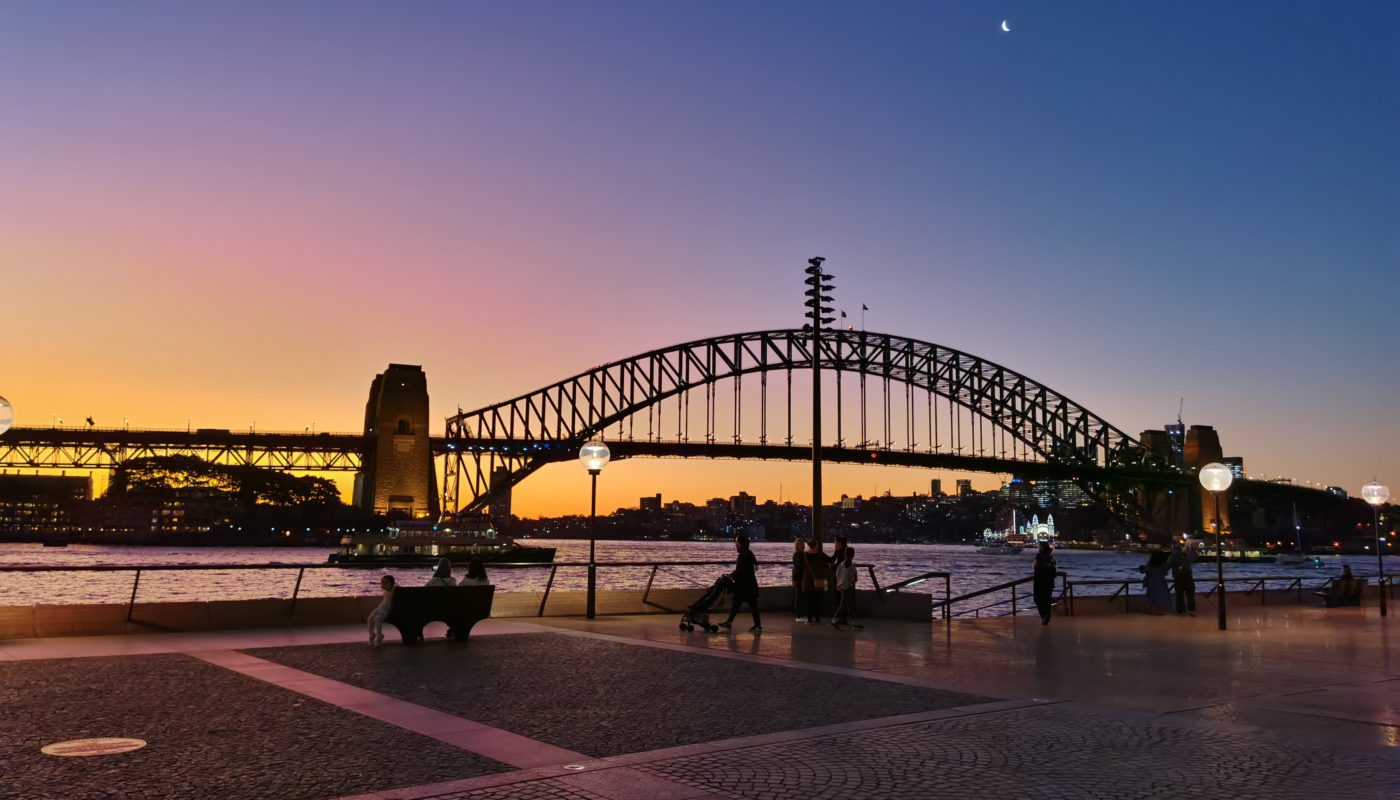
x=1290 y=702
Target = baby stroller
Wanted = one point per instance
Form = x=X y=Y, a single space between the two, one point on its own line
x=699 y=611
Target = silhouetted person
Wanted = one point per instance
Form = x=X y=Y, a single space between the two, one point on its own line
x=799 y=566
x=1043 y=581
x=442 y=574
x=1159 y=597
x=838 y=557
x=476 y=574
x=814 y=579
x=845 y=590
x=1183 y=579
x=745 y=584
x=1344 y=591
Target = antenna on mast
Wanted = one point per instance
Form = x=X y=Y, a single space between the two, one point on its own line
x=1179 y=407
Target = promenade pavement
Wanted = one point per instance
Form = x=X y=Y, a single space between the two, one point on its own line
x=1290 y=702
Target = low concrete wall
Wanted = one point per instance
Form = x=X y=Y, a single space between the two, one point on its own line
x=1205 y=604
x=23 y=622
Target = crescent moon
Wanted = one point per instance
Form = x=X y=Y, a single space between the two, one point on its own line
x=1004 y=27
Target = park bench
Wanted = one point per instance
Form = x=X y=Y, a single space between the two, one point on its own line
x=1352 y=597
x=460 y=607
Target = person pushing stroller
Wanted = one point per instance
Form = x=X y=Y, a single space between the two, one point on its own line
x=745 y=585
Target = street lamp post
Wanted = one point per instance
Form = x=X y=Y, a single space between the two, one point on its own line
x=1216 y=478
x=819 y=286
x=1376 y=494
x=594 y=456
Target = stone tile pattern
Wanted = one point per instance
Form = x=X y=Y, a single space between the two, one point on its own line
x=1053 y=751
x=211 y=733
x=532 y=790
x=604 y=698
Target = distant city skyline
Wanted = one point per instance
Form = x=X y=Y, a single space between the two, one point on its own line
x=237 y=214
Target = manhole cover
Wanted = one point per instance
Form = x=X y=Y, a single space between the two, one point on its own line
x=93 y=747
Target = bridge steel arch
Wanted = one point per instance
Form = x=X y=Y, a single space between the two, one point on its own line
x=508 y=441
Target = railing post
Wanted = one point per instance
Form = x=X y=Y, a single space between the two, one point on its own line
x=131 y=604
x=552 y=569
x=1127 y=597
x=870 y=568
x=650 y=578
x=296 y=590
x=1071 y=599
x=948 y=597
x=1013 y=600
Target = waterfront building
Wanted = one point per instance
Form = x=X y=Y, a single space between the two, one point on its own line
x=964 y=487
x=652 y=503
x=935 y=488
x=35 y=505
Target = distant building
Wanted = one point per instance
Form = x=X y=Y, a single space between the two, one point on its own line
x=1338 y=491
x=1176 y=434
x=40 y=504
x=935 y=488
x=743 y=504
x=1236 y=465
x=848 y=503
x=652 y=503
x=964 y=487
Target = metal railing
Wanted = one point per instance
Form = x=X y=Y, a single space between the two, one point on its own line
x=918 y=579
x=554 y=567
x=1256 y=584
x=1013 y=600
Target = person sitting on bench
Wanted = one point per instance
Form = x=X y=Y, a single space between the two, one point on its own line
x=1344 y=591
x=476 y=574
x=442 y=575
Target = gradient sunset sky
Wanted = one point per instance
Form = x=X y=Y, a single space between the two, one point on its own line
x=239 y=212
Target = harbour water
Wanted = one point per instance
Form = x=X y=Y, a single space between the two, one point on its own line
x=892 y=562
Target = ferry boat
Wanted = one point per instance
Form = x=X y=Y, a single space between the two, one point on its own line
x=997 y=543
x=423 y=542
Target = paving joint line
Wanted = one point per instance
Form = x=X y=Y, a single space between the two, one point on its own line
x=645 y=757
x=511 y=749
x=754 y=658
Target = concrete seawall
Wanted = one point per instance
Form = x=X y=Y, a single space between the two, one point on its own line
x=23 y=622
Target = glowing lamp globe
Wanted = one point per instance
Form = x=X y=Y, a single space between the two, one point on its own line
x=7 y=415
x=594 y=456
x=1216 y=477
x=1373 y=493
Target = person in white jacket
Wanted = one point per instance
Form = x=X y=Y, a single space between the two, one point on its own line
x=846 y=590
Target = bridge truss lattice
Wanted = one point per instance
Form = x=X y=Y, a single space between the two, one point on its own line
x=955 y=410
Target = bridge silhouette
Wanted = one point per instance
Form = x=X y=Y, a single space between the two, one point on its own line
x=891 y=400
x=955 y=411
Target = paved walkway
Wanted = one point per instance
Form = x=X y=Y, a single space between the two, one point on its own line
x=1291 y=702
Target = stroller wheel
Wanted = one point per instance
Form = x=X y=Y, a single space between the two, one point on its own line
x=713 y=629
x=690 y=629
x=681 y=626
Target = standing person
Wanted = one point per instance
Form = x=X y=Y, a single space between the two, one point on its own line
x=1183 y=580
x=476 y=574
x=814 y=580
x=442 y=574
x=381 y=612
x=1043 y=581
x=1159 y=598
x=845 y=613
x=745 y=584
x=799 y=565
x=838 y=556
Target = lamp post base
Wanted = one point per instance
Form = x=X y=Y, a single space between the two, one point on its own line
x=1220 y=607
x=591 y=611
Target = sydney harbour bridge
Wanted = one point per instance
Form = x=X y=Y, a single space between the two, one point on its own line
x=888 y=400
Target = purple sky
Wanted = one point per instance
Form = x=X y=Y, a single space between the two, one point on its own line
x=239 y=212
